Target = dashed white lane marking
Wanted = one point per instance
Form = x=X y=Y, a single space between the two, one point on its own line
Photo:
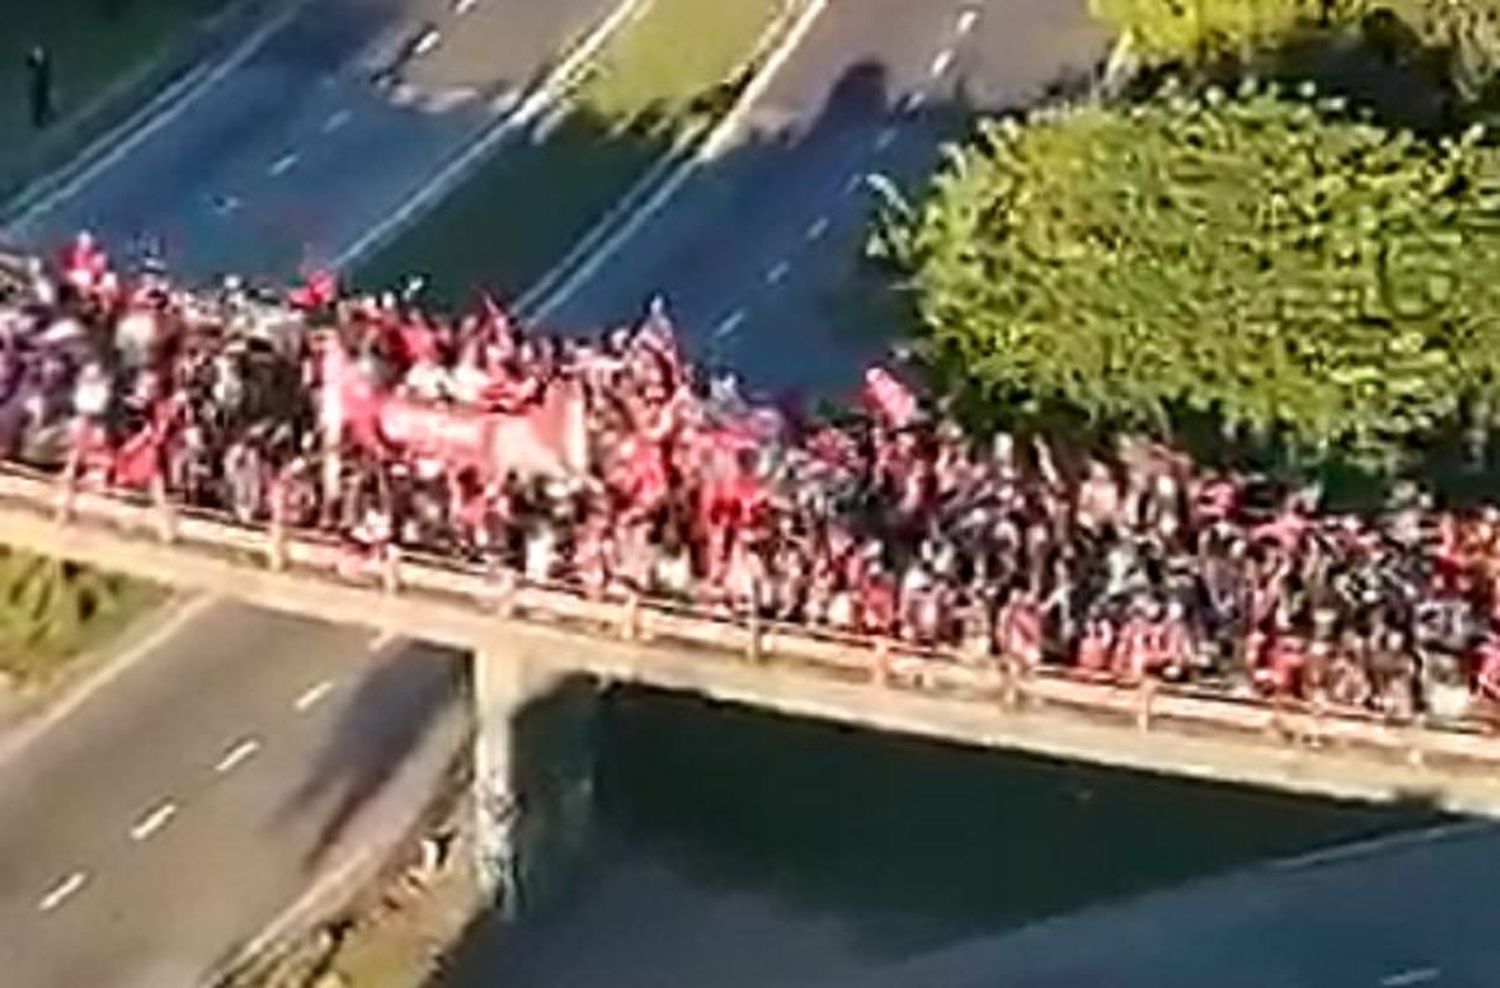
x=239 y=753
x=335 y=121
x=429 y=40
x=1414 y=976
x=64 y=890
x=224 y=205
x=147 y=826
x=382 y=639
x=778 y=273
x=450 y=99
x=818 y=228
x=729 y=324
x=284 y=164
x=915 y=101
x=313 y=695
x=856 y=182
x=941 y=62
x=885 y=138
x=967 y=20
x=462 y=7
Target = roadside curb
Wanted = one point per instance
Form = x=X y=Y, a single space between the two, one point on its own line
x=159 y=89
x=545 y=96
x=712 y=144
x=338 y=888
x=142 y=637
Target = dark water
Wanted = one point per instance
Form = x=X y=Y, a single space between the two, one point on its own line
x=736 y=848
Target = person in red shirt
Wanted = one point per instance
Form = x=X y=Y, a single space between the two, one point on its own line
x=1485 y=661
x=1285 y=665
x=1019 y=630
x=1096 y=645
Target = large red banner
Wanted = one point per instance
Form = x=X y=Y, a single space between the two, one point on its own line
x=546 y=439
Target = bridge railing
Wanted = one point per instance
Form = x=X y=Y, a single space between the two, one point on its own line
x=894 y=664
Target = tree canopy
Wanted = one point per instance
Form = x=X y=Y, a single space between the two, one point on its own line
x=1261 y=259
x=1460 y=39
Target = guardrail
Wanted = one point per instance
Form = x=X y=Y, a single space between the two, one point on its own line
x=893 y=664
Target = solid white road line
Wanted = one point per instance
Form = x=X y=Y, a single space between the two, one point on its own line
x=64 y=890
x=940 y=62
x=335 y=121
x=170 y=625
x=313 y=695
x=716 y=143
x=538 y=101
x=284 y=164
x=240 y=752
x=147 y=826
x=1414 y=976
x=1388 y=842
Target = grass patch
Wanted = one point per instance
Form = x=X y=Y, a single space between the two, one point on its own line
x=667 y=74
x=93 y=44
x=52 y=612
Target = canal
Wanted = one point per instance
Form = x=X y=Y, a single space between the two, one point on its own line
x=733 y=848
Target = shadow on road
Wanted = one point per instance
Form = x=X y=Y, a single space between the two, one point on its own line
x=383 y=723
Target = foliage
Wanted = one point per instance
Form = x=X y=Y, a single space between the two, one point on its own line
x=1265 y=262
x=1199 y=30
x=1462 y=37
x=48 y=607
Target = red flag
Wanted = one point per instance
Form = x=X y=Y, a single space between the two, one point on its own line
x=319 y=291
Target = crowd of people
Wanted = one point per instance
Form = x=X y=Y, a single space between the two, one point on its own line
x=891 y=522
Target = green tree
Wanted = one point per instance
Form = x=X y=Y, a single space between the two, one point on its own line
x=1461 y=38
x=1263 y=261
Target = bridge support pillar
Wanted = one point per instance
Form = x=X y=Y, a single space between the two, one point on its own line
x=533 y=775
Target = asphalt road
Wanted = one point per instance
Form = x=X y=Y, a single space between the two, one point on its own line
x=179 y=810
x=1409 y=911
x=305 y=137
x=757 y=254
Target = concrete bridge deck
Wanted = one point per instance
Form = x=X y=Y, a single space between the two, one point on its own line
x=557 y=633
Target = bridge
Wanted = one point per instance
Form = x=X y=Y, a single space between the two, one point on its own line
x=527 y=639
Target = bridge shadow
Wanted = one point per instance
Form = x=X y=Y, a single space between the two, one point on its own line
x=736 y=847
x=385 y=722
x=912 y=843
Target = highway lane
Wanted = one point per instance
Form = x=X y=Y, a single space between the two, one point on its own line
x=1402 y=912
x=757 y=253
x=174 y=814
x=128 y=856
x=309 y=138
